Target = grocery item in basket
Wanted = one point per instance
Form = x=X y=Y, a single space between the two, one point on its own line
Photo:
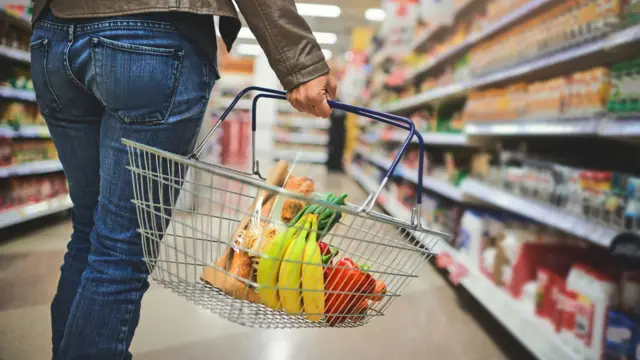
x=346 y=287
x=302 y=185
x=290 y=272
x=269 y=265
x=235 y=263
x=312 y=279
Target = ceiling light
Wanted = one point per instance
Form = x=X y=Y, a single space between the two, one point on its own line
x=325 y=37
x=249 y=49
x=255 y=50
x=321 y=37
x=317 y=10
x=374 y=14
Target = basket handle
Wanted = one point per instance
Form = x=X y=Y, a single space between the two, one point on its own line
x=390 y=119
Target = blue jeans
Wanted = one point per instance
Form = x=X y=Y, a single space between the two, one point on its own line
x=96 y=82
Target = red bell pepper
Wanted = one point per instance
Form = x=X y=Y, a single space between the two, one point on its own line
x=345 y=276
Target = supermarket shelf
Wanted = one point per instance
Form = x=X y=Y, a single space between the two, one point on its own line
x=11 y=93
x=391 y=205
x=620 y=127
x=27 y=131
x=430 y=138
x=534 y=333
x=31 y=168
x=531 y=331
x=34 y=211
x=15 y=54
x=305 y=156
x=302 y=138
x=578 y=126
x=306 y=123
x=439 y=186
x=22 y=21
x=501 y=24
x=625 y=36
x=543 y=213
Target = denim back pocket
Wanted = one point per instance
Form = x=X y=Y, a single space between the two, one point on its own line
x=136 y=83
x=46 y=98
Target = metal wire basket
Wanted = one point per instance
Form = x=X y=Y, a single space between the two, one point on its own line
x=198 y=250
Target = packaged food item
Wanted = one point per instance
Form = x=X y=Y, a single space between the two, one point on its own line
x=596 y=293
x=472 y=228
x=620 y=338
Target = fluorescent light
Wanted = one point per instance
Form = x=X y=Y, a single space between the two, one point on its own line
x=321 y=37
x=325 y=37
x=317 y=10
x=249 y=49
x=327 y=54
x=374 y=14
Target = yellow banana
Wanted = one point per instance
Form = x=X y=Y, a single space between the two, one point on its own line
x=269 y=265
x=313 y=278
x=291 y=271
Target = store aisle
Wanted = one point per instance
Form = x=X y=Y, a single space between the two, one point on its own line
x=431 y=320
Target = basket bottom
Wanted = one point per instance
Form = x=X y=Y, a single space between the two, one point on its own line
x=244 y=312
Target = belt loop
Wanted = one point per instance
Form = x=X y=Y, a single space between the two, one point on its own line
x=72 y=29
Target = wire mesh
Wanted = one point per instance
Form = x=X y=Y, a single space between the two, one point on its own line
x=189 y=211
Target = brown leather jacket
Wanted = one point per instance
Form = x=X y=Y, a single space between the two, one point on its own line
x=283 y=34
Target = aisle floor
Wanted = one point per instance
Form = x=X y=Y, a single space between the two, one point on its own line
x=431 y=321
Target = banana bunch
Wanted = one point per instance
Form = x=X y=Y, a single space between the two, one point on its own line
x=290 y=273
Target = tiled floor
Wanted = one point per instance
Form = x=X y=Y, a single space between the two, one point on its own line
x=431 y=321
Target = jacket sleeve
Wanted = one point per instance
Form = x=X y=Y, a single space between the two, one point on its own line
x=286 y=39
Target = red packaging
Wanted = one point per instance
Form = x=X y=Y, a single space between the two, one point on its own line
x=555 y=257
x=568 y=307
x=549 y=293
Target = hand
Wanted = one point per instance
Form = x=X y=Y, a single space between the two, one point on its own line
x=311 y=97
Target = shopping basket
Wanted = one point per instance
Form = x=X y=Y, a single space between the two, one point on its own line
x=188 y=249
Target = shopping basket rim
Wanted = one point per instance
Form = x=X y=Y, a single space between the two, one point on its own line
x=222 y=171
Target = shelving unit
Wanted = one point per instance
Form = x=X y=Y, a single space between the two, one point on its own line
x=293 y=130
x=536 y=335
x=18 y=209
x=549 y=192
x=608 y=43
x=33 y=211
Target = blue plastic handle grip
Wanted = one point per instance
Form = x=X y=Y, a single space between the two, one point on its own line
x=390 y=119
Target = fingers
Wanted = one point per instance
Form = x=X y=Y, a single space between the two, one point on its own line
x=311 y=97
x=332 y=87
x=293 y=100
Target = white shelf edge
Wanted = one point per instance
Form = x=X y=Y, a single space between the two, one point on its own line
x=439 y=186
x=33 y=211
x=618 y=38
x=543 y=213
x=31 y=168
x=27 y=131
x=577 y=126
x=15 y=54
x=531 y=331
x=305 y=156
x=298 y=138
x=20 y=94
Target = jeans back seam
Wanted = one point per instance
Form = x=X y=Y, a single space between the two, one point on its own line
x=67 y=65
